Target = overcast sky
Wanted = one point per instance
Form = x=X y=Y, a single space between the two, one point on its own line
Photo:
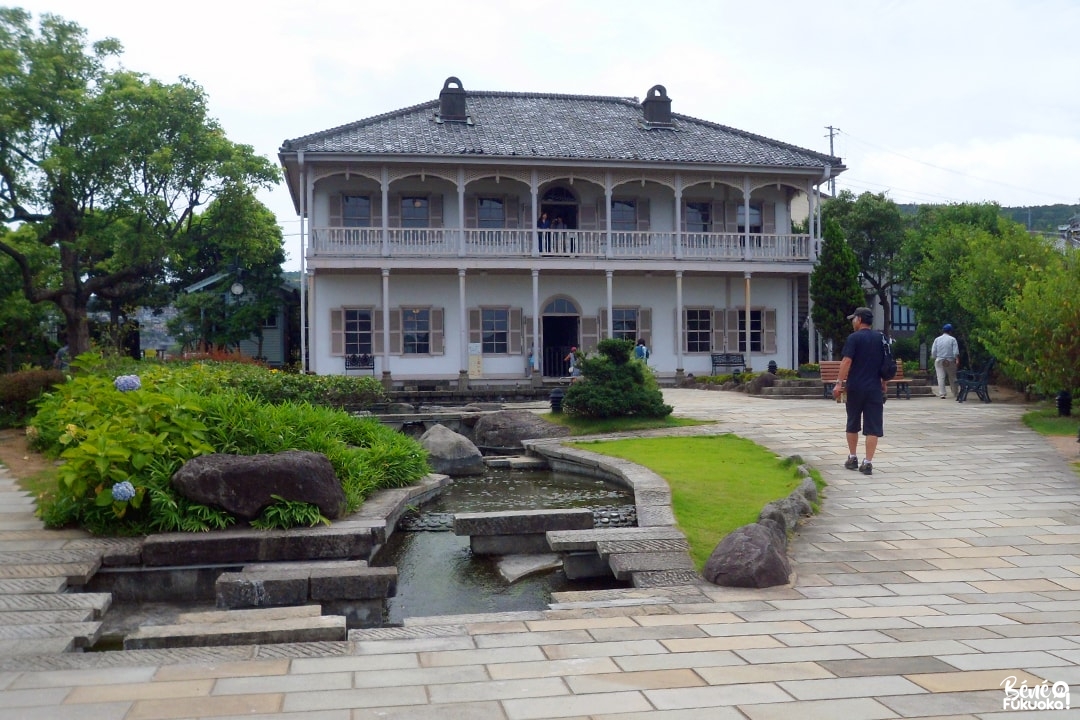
x=935 y=101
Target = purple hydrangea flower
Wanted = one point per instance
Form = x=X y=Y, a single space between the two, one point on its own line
x=124 y=383
x=123 y=491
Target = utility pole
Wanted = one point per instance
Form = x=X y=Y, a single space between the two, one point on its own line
x=832 y=181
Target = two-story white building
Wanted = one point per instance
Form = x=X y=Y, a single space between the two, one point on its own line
x=479 y=236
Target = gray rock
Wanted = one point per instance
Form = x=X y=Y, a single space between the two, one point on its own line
x=764 y=380
x=243 y=484
x=750 y=556
x=399 y=408
x=450 y=453
x=808 y=489
x=507 y=428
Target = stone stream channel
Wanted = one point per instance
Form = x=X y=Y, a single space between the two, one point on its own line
x=439 y=575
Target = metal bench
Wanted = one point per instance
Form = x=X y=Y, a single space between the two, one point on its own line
x=360 y=361
x=729 y=362
x=968 y=380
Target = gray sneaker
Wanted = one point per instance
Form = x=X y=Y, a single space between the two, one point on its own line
x=867 y=468
x=852 y=463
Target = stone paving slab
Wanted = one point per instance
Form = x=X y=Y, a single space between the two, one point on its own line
x=83 y=634
x=76 y=573
x=623 y=565
x=39 y=617
x=35 y=646
x=97 y=602
x=321 y=628
x=24 y=586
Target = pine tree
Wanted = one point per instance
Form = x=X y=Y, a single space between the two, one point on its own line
x=834 y=286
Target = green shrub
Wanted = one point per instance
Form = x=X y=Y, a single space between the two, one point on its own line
x=810 y=368
x=906 y=349
x=614 y=385
x=20 y=390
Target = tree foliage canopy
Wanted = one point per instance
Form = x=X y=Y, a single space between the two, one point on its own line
x=834 y=286
x=108 y=166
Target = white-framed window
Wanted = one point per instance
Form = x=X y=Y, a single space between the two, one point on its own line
x=490 y=212
x=356 y=210
x=495 y=330
x=755 y=217
x=416 y=330
x=698 y=217
x=699 y=330
x=358 y=329
x=624 y=215
x=756 y=331
x=414 y=212
x=624 y=323
x=270 y=321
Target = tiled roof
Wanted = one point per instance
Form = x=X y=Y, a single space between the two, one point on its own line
x=574 y=127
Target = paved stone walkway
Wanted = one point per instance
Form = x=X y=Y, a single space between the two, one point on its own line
x=920 y=589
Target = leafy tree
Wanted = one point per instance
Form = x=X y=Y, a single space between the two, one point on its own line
x=874 y=228
x=23 y=325
x=834 y=286
x=240 y=236
x=1034 y=336
x=106 y=165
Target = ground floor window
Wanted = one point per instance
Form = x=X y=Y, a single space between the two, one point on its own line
x=756 y=331
x=495 y=330
x=416 y=331
x=624 y=323
x=357 y=331
x=698 y=330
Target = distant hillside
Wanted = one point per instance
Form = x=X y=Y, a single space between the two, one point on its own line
x=1045 y=218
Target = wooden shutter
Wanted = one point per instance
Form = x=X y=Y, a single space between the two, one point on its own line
x=376 y=332
x=768 y=218
x=471 y=210
x=731 y=331
x=716 y=217
x=435 y=212
x=475 y=335
x=438 y=334
x=397 y=346
x=527 y=335
x=376 y=211
x=515 y=331
x=512 y=212
x=587 y=217
x=602 y=213
x=394 y=210
x=589 y=334
x=768 y=330
x=337 y=331
x=731 y=218
x=603 y=323
x=643 y=216
x=644 y=323
x=335 y=219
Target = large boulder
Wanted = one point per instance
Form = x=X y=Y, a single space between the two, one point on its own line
x=750 y=556
x=504 y=430
x=244 y=484
x=451 y=453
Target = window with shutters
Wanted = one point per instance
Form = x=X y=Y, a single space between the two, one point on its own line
x=414 y=212
x=357 y=331
x=762 y=331
x=495 y=330
x=756 y=328
x=624 y=323
x=698 y=217
x=624 y=215
x=416 y=331
x=755 y=217
x=698 y=329
x=490 y=212
x=356 y=211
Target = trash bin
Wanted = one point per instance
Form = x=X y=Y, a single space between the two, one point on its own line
x=1064 y=403
x=556 y=399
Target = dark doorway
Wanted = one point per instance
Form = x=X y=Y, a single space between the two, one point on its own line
x=560 y=334
x=565 y=213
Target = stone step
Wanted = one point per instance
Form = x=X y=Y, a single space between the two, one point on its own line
x=82 y=635
x=278 y=584
x=250 y=615
x=97 y=602
x=76 y=573
x=571 y=540
x=324 y=628
x=606 y=548
x=47 y=557
x=42 y=617
x=29 y=586
x=36 y=646
x=624 y=565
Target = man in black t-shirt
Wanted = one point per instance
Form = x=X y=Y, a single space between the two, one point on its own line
x=862 y=356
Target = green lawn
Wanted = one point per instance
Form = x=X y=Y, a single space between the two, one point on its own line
x=1045 y=420
x=718 y=482
x=592 y=426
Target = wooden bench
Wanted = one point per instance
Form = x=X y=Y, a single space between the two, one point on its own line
x=729 y=362
x=968 y=380
x=360 y=361
x=830 y=372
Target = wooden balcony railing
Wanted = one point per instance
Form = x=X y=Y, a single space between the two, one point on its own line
x=647 y=245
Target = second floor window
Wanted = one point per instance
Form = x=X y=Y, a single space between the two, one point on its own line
x=357 y=331
x=698 y=330
x=698 y=217
x=414 y=212
x=495 y=330
x=624 y=323
x=416 y=330
x=356 y=211
x=623 y=215
x=755 y=217
x=490 y=213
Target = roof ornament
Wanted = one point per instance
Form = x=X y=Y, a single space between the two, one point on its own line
x=657 y=107
x=452 y=101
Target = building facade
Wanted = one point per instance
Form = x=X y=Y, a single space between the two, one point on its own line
x=480 y=236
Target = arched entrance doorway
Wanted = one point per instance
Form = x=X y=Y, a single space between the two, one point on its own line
x=560 y=330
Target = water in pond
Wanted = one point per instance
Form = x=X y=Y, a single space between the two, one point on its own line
x=437 y=572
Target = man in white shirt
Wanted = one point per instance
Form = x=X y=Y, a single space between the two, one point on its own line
x=946 y=354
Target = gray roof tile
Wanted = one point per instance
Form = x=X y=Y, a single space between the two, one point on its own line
x=574 y=127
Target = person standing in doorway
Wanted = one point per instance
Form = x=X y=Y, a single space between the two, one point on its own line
x=571 y=357
x=946 y=354
x=859 y=377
